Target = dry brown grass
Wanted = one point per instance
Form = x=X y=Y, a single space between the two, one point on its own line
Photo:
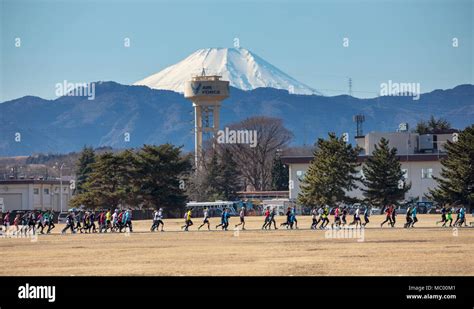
x=425 y=250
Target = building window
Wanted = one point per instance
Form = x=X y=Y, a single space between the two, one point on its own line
x=46 y=191
x=300 y=175
x=36 y=191
x=426 y=173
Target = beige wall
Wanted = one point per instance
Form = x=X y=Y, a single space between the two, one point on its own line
x=419 y=186
x=23 y=197
x=16 y=197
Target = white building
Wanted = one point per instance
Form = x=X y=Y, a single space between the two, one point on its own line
x=419 y=156
x=29 y=194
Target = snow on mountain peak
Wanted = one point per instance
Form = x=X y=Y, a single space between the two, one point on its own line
x=242 y=68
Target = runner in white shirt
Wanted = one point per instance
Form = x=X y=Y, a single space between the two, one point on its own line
x=205 y=220
x=114 y=220
x=242 y=218
x=157 y=220
x=357 y=221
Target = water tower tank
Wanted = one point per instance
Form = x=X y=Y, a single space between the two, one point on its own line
x=205 y=89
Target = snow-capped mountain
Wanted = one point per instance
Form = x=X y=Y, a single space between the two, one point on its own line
x=242 y=68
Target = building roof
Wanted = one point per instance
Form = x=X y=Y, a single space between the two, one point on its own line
x=425 y=157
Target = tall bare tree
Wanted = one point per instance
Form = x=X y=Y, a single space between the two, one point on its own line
x=254 y=161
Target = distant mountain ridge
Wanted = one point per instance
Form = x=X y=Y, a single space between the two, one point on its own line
x=159 y=116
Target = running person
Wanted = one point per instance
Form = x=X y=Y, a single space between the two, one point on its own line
x=314 y=217
x=344 y=214
x=443 y=216
x=32 y=222
x=40 y=220
x=222 y=224
x=408 y=218
x=79 y=220
x=123 y=223
x=394 y=216
x=413 y=216
x=69 y=223
x=206 y=220
x=242 y=218
x=160 y=220
x=115 y=225
x=101 y=220
x=188 y=221
x=388 y=216
x=45 y=219
x=325 y=217
x=120 y=222
x=293 y=217
x=356 y=221
x=320 y=213
x=155 y=221
x=128 y=220
x=288 y=219
x=462 y=216
x=267 y=218
x=92 y=222
x=457 y=217
x=272 y=219
x=49 y=221
x=449 y=217
x=16 y=223
x=366 y=215
x=6 y=221
x=108 y=220
x=337 y=219
x=24 y=223
x=226 y=219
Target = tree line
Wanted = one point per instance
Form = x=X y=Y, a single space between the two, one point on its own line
x=148 y=177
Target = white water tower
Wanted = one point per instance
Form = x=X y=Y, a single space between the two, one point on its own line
x=206 y=92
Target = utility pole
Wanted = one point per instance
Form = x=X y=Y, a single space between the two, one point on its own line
x=350 y=86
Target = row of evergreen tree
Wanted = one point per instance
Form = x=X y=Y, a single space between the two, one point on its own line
x=147 y=177
x=150 y=177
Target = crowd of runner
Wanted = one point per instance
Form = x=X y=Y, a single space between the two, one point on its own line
x=321 y=218
x=104 y=221
x=42 y=222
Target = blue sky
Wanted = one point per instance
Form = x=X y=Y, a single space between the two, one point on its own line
x=82 y=41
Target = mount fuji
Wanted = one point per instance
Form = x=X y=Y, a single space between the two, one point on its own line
x=242 y=68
